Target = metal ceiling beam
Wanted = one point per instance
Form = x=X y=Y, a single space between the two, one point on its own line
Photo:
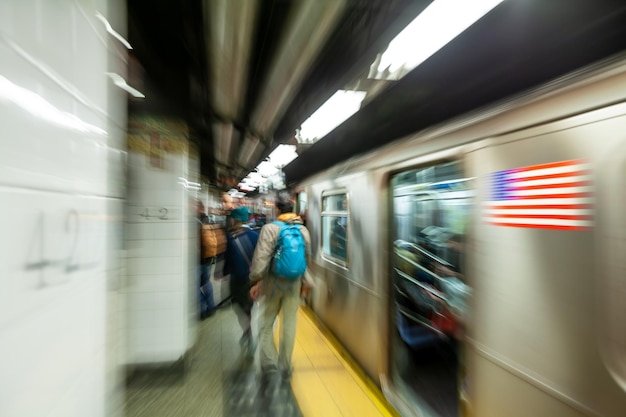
x=308 y=29
x=225 y=142
x=230 y=25
x=251 y=150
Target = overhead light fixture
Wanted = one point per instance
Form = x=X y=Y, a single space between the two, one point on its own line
x=121 y=83
x=282 y=155
x=112 y=32
x=437 y=25
x=255 y=177
x=235 y=193
x=336 y=110
x=254 y=180
x=250 y=182
x=246 y=187
x=266 y=169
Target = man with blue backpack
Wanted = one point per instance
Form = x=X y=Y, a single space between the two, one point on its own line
x=277 y=274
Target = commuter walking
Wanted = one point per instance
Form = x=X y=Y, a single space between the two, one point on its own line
x=240 y=245
x=277 y=273
x=207 y=303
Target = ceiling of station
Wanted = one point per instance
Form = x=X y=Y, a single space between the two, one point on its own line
x=246 y=73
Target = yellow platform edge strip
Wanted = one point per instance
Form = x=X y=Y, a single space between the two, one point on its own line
x=364 y=381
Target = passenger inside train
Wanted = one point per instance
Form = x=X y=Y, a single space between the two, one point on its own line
x=339 y=233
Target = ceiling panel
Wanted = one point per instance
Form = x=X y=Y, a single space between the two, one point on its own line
x=520 y=44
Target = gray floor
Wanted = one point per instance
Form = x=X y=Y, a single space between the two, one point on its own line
x=215 y=380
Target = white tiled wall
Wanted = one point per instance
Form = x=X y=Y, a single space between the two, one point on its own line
x=191 y=254
x=62 y=159
x=160 y=267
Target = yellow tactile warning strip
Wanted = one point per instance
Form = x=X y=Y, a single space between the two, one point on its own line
x=324 y=383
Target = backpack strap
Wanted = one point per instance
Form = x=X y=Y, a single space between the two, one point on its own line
x=281 y=225
x=243 y=252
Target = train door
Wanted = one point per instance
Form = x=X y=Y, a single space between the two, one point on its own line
x=430 y=209
x=611 y=225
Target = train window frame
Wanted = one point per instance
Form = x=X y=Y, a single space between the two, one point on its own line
x=325 y=214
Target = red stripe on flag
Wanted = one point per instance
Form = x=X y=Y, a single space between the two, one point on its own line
x=544 y=206
x=550 y=165
x=542 y=216
x=547 y=186
x=536 y=197
x=541 y=226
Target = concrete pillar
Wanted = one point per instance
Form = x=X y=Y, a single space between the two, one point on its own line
x=161 y=241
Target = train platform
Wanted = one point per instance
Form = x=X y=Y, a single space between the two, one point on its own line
x=217 y=380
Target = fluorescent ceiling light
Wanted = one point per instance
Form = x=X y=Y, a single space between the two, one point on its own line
x=266 y=169
x=255 y=177
x=249 y=182
x=282 y=155
x=246 y=187
x=331 y=114
x=113 y=33
x=438 y=24
x=121 y=83
x=42 y=109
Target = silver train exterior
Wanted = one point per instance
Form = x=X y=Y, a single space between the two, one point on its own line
x=544 y=335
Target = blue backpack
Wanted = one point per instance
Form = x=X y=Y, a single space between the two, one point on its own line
x=289 y=254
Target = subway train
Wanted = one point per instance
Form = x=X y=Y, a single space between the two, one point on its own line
x=477 y=267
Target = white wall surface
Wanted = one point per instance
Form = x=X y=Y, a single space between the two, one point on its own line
x=161 y=268
x=62 y=155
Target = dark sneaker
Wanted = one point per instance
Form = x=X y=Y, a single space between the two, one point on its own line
x=286 y=373
x=269 y=375
x=247 y=344
x=205 y=315
x=248 y=347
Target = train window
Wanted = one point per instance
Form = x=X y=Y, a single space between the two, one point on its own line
x=301 y=203
x=301 y=206
x=431 y=208
x=335 y=216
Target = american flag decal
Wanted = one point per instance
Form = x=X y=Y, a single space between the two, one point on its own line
x=547 y=196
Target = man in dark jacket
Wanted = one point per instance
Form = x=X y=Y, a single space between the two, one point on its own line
x=241 y=242
x=278 y=294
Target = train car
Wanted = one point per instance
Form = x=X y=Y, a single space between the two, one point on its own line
x=477 y=267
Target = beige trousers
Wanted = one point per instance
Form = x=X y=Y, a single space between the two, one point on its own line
x=280 y=296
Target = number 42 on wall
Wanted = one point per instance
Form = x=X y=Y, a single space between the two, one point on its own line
x=62 y=247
